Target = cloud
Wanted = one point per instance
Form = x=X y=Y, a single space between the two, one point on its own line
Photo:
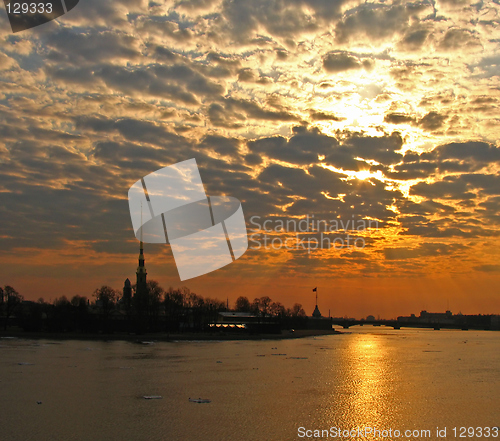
x=488 y=268
x=279 y=18
x=423 y=250
x=324 y=116
x=68 y=46
x=432 y=121
x=303 y=147
x=448 y=188
x=255 y=92
x=399 y=118
x=459 y=39
x=414 y=39
x=377 y=23
x=476 y=152
x=457 y=157
x=341 y=61
x=232 y=113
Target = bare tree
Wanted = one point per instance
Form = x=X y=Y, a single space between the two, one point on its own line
x=277 y=309
x=298 y=311
x=243 y=304
x=106 y=298
x=11 y=300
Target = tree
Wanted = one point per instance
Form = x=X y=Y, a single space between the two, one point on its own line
x=277 y=310
x=174 y=306
x=106 y=298
x=78 y=301
x=154 y=295
x=298 y=311
x=80 y=311
x=242 y=304
x=11 y=302
x=2 y=302
x=60 y=317
x=193 y=300
x=264 y=304
x=212 y=309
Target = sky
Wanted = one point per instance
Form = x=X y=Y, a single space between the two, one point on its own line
x=375 y=112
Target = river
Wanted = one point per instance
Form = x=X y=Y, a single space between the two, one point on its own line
x=384 y=380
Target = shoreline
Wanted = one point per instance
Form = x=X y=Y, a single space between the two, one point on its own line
x=165 y=337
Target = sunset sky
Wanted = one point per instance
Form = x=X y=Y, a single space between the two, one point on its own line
x=383 y=111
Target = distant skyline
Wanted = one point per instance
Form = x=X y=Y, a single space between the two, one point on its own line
x=385 y=111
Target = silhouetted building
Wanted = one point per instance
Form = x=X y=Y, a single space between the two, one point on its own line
x=245 y=321
x=441 y=317
x=447 y=319
x=141 y=286
x=317 y=321
x=127 y=294
x=316 y=313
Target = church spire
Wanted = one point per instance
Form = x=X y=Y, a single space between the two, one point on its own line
x=141 y=269
x=141 y=272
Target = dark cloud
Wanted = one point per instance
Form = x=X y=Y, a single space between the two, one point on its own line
x=459 y=39
x=414 y=39
x=220 y=118
x=383 y=149
x=302 y=148
x=324 y=116
x=232 y=112
x=67 y=45
x=340 y=61
x=178 y=82
x=248 y=75
x=253 y=159
x=222 y=145
x=409 y=207
x=304 y=193
x=423 y=250
x=399 y=118
x=412 y=170
x=456 y=157
x=133 y=130
x=376 y=22
x=478 y=152
x=448 y=188
x=72 y=75
x=432 y=121
x=168 y=26
x=488 y=268
x=280 y=18
x=123 y=88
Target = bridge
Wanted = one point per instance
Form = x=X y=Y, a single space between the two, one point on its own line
x=347 y=323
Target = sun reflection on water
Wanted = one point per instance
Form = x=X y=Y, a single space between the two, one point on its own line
x=364 y=395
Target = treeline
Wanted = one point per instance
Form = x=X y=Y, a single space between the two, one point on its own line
x=265 y=307
x=154 y=310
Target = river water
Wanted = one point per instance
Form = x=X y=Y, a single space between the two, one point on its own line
x=371 y=378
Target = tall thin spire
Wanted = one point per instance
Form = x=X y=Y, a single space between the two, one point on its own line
x=316 y=313
x=141 y=286
x=141 y=227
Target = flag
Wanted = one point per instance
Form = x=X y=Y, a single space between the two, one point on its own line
x=315 y=290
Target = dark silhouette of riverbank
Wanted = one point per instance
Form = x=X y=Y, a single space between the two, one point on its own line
x=149 y=338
